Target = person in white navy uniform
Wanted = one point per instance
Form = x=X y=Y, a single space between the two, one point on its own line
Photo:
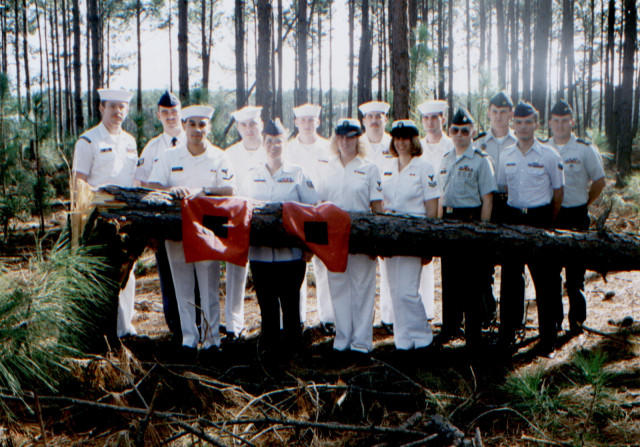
x=353 y=183
x=107 y=155
x=468 y=182
x=374 y=120
x=171 y=137
x=306 y=149
x=434 y=145
x=584 y=180
x=493 y=142
x=278 y=180
x=243 y=155
x=197 y=167
x=409 y=186
x=532 y=174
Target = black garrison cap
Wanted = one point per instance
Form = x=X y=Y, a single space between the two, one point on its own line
x=501 y=100
x=561 y=108
x=523 y=109
x=274 y=128
x=168 y=99
x=462 y=117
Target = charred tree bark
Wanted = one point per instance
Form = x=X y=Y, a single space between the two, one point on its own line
x=400 y=70
x=183 y=51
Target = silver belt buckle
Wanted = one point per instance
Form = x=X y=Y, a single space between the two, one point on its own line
x=449 y=210
x=524 y=210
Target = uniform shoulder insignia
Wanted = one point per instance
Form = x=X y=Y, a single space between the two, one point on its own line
x=86 y=138
x=446 y=154
x=481 y=152
x=583 y=141
x=480 y=135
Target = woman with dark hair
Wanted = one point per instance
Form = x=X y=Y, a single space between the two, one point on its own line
x=409 y=186
x=278 y=272
x=352 y=182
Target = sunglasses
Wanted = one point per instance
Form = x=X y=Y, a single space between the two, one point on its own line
x=464 y=131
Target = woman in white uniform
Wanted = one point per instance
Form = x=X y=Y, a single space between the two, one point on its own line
x=278 y=272
x=187 y=170
x=409 y=186
x=353 y=183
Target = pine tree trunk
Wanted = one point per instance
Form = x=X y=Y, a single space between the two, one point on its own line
x=610 y=127
x=468 y=44
x=139 y=54
x=68 y=113
x=16 y=36
x=515 y=45
x=400 y=59
x=279 y=106
x=263 y=62
x=77 y=67
x=3 y=24
x=540 y=57
x=482 y=13
x=302 y=33
x=502 y=45
x=329 y=115
x=450 y=53
x=441 y=51
x=25 y=51
x=352 y=13
x=183 y=50
x=93 y=22
x=364 y=57
x=588 y=116
x=239 y=41
x=624 y=98
x=526 y=50
x=320 y=91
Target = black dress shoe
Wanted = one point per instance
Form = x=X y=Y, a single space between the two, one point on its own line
x=328 y=328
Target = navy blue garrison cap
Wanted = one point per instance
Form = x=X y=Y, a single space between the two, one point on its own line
x=501 y=100
x=561 y=108
x=274 y=128
x=523 y=109
x=168 y=99
x=462 y=117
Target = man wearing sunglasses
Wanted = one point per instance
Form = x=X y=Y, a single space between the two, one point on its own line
x=468 y=182
x=584 y=182
x=532 y=174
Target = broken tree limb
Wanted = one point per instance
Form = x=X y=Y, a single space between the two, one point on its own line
x=152 y=214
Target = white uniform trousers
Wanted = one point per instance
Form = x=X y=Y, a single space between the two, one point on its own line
x=353 y=296
x=208 y=273
x=386 y=307
x=303 y=296
x=427 y=289
x=427 y=286
x=323 y=297
x=411 y=328
x=234 y=303
x=126 y=299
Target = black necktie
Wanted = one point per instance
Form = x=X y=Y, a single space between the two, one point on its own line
x=174 y=141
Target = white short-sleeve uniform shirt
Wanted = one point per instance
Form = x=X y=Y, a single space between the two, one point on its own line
x=582 y=165
x=307 y=155
x=152 y=152
x=289 y=184
x=352 y=187
x=242 y=160
x=531 y=177
x=106 y=158
x=406 y=191
x=434 y=152
x=178 y=167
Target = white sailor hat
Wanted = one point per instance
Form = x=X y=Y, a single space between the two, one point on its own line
x=307 y=110
x=435 y=106
x=247 y=113
x=191 y=111
x=374 y=106
x=110 y=94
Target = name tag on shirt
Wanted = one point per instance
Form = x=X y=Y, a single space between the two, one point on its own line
x=106 y=149
x=176 y=169
x=285 y=180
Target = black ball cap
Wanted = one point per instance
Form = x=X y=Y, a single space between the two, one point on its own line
x=274 y=128
x=501 y=100
x=168 y=99
x=348 y=127
x=523 y=109
x=462 y=117
x=404 y=129
x=561 y=108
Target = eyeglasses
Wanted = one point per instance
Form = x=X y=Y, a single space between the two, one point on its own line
x=464 y=131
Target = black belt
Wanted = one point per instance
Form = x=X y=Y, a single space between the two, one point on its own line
x=462 y=213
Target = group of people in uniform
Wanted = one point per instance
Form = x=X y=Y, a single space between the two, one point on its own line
x=505 y=175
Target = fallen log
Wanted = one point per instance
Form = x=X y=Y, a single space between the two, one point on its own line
x=125 y=220
x=156 y=215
